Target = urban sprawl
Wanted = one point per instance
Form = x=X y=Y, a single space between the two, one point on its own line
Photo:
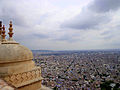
x=79 y=70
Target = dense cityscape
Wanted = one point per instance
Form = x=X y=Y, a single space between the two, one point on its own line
x=80 y=70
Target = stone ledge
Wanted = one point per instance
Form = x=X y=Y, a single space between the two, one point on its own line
x=22 y=79
x=5 y=86
x=28 y=82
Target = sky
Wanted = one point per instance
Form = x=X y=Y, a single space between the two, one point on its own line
x=63 y=24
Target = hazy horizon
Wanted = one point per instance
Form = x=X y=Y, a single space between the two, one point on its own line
x=77 y=50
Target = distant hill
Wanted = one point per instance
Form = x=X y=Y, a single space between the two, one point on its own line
x=42 y=51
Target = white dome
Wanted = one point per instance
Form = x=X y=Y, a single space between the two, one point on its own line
x=13 y=52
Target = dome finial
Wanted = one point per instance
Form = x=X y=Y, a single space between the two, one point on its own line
x=0 y=27
x=10 y=31
x=0 y=30
x=3 y=33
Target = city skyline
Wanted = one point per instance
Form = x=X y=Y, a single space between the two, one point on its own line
x=64 y=24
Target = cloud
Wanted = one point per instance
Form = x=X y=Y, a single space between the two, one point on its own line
x=9 y=12
x=104 y=5
x=40 y=35
x=111 y=34
x=8 y=15
x=91 y=16
x=86 y=20
x=70 y=38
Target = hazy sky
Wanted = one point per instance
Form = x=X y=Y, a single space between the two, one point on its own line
x=64 y=24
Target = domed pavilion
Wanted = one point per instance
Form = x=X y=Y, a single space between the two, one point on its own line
x=16 y=65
